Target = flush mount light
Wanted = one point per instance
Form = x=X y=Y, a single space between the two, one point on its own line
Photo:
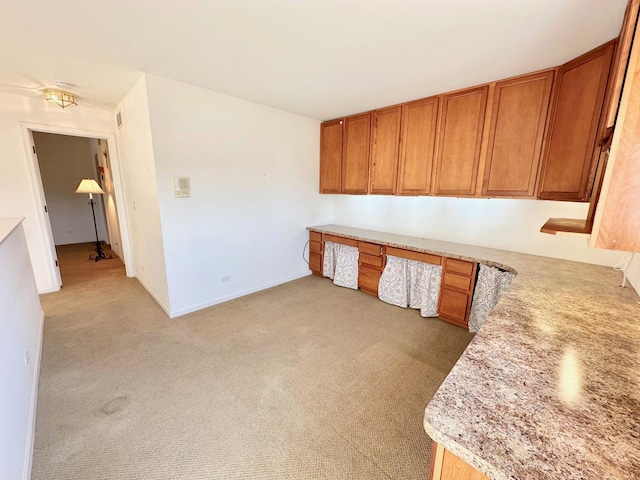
x=60 y=97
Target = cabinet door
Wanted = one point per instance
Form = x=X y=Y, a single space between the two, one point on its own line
x=616 y=224
x=419 y=120
x=447 y=466
x=355 y=154
x=569 y=159
x=385 y=142
x=621 y=60
x=331 y=156
x=459 y=141
x=519 y=115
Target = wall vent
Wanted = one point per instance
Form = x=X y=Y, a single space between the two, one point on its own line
x=119 y=119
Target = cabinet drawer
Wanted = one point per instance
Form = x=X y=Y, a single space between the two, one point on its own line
x=453 y=305
x=368 y=279
x=315 y=236
x=370 y=248
x=411 y=255
x=315 y=246
x=315 y=262
x=343 y=241
x=457 y=281
x=371 y=260
x=459 y=266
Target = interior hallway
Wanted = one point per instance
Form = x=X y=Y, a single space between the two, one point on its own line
x=304 y=380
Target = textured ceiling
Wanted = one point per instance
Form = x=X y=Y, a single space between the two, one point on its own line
x=318 y=58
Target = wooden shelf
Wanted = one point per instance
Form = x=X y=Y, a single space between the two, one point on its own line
x=571 y=227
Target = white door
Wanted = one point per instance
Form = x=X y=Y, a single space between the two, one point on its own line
x=54 y=269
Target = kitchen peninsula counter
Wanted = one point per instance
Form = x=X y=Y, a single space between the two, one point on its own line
x=549 y=388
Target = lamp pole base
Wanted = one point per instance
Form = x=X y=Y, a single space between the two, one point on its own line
x=99 y=255
x=99 y=252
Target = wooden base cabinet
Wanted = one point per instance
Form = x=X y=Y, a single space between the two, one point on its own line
x=370 y=266
x=456 y=292
x=447 y=466
x=316 y=250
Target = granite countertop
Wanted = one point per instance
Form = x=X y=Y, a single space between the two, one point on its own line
x=549 y=388
x=8 y=225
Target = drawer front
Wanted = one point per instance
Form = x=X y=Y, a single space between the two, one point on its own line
x=411 y=255
x=341 y=240
x=370 y=248
x=368 y=279
x=315 y=246
x=370 y=260
x=315 y=262
x=453 y=304
x=459 y=266
x=457 y=281
x=315 y=236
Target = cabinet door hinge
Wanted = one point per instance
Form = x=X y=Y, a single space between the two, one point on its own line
x=33 y=148
x=56 y=263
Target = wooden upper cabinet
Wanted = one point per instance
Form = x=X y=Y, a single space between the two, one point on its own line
x=516 y=132
x=355 y=154
x=569 y=157
x=459 y=141
x=620 y=61
x=419 y=120
x=385 y=142
x=331 y=156
x=616 y=224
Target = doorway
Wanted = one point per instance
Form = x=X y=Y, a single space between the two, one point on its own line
x=105 y=168
x=63 y=161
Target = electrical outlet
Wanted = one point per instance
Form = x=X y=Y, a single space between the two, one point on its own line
x=26 y=357
x=225 y=279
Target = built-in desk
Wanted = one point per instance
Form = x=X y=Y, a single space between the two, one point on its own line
x=459 y=265
x=549 y=388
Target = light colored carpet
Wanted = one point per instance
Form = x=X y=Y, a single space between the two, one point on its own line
x=305 y=380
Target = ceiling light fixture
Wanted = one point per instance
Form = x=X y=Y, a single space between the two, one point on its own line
x=60 y=97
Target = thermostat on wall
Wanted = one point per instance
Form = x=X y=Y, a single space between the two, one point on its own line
x=181 y=187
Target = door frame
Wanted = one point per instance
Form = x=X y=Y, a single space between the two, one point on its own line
x=37 y=189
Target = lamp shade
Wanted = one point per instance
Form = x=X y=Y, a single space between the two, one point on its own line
x=89 y=185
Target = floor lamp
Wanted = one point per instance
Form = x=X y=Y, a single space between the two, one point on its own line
x=90 y=186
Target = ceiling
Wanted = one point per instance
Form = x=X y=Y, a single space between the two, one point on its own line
x=318 y=58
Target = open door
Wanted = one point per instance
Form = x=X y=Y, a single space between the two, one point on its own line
x=54 y=269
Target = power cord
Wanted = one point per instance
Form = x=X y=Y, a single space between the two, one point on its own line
x=303 y=250
x=622 y=265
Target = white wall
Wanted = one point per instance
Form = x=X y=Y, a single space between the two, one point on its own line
x=16 y=195
x=139 y=176
x=65 y=160
x=21 y=321
x=254 y=183
x=507 y=224
x=101 y=149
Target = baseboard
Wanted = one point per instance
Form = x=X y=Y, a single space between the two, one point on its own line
x=155 y=297
x=28 y=457
x=211 y=303
x=48 y=290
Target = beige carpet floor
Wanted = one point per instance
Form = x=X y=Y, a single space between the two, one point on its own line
x=304 y=381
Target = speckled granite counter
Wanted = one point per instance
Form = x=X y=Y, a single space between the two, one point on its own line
x=550 y=386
